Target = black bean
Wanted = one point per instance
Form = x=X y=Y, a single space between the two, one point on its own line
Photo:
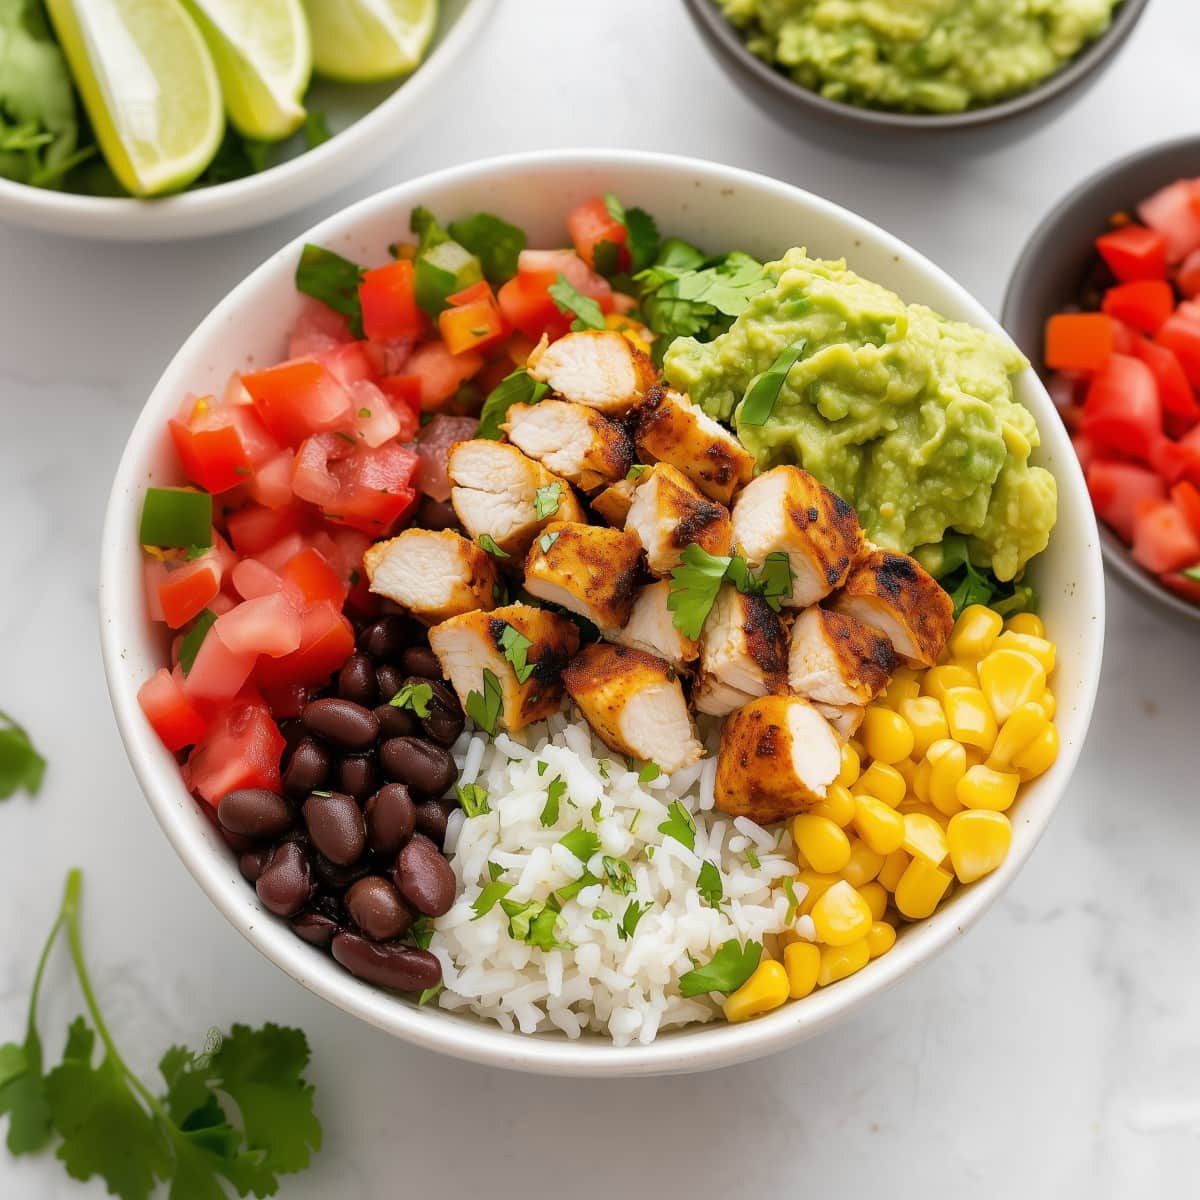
x=315 y=928
x=432 y=817
x=293 y=733
x=390 y=679
x=356 y=681
x=384 y=639
x=286 y=883
x=337 y=879
x=308 y=768
x=424 y=877
x=375 y=907
x=395 y=722
x=357 y=776
x=347 y=725
x=391 y=819
x=251 y=863
x=445 y=721
x=239 y=843
x=255 y=813
x=401 y=968
x=335 y=824
x=436 y=514
x=422 y=765
x=420 y=660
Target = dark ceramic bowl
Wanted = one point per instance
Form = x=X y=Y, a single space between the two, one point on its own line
x=790 y=103
x=1049 y=274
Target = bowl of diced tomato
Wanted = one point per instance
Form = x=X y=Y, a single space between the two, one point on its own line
x=1105 y=301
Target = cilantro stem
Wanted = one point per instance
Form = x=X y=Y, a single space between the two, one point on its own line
x=31 y=1029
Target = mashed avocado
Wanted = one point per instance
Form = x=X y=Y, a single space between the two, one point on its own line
x=919 y=55
x=908 y=416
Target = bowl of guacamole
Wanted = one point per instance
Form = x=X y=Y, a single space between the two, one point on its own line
x=913 y=63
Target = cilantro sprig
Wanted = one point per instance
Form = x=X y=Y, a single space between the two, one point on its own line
x=414 y=696
x=680 y=824
x=969 y=584
x=709 y=885
x=109 y=1124
x=334 y=280
x=21 y=766
x=484 y=707
x=555 y=790
x=699 y=576
x=516 y=647
x=584 y=309
x=641 y=238
x=546 y=500
x=518 y=387
x=725 y=972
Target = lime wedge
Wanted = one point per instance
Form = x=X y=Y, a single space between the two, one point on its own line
x=149 y=86
x=362 y=41
x=264 y=59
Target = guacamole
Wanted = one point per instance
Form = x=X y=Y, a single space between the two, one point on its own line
x=919 y=55
x=905 y=414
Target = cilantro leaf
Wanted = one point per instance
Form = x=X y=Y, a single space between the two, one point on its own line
x=21 y=766
x=334 y=281
x=634 y=912
x=760 y=399
x=546 y=500
x=491 y=895
x=488 y=543
x=495 y=870
x=495 y=242
x=484 y=707
x=518 y=387
x=535 y=923
x=414 y=696
x=516 y=647
x=694 y=587
x=789 y=888
x=680 y=825
x=548 y=539
x=582 y=843
x=649 y=773
x=1192 y=573
x=969 y=584
x=194 y=639
x=554 y=793
x=601 y=914
x=709 y=885
x=618 y=874
x=725 y=972
x=431 y=993
x=584 y=309
x=474 y=799
x=775 y=579
x=752 y=857
x=572 y=889
x=636 y=472
x=643 y=237
x=23 y=1095
x=316 y=129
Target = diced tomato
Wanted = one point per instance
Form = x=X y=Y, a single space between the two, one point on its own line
x=1187 y=496
x=297 y=399
x=222 y=602
x=271 y=484
x=374 y=488
x=1181 y=333
x=173 y=716
x=1134 y=252
x=433 y=446
x=252 y=579
x=252 y=529
x=220 y=444
x=547 y=265
x=1117 y=488
x=389 y=304
x=318 y=328
x=473 y=322
x=441 y=373
x=1182 y=585
x=326 y=641
x=218 y=673
x=1079 y=341
x=312 y=478
x=313 y=578
x=1188 y=278
x=278 y=555
x=1190 y=445
x=375 y=418
x=267 y=625
x=404 y=392
x=155 y=576
x=1162 y=538
x=1170 y=211
x=1085 y=450
x=1122 y=411
x=349 y=363
x=1174 y=391
x=529 y=307
x=590 y=224
x=287 y=700
x=1170 y=459
x=187 y=590
x=242 y=749
x=1145 y=303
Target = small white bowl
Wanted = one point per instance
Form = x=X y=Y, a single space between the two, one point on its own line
x=719 y=208
x=370 y=129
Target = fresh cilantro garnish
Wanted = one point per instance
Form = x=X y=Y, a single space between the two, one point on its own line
x=680 y=825
x=334 y=281
x=725 y=972
x=496 y=244
x=629 y=922
x=316 y=129
x=789 y=889
x=694 y=587
x=519 y=387
x=542 y=766
x=495 y=870
x=637 y=820
x=601 y=914
x=421 y=933
x=752 y=858
x=414 y=696
x=760 y=399
x=431 y=993
x=636 y=472
x=554 y=793
x=516 y=647
x=194 y=639
x=641 y=232
x=488 y=543
x=21 y=766
x=110 y=1125
x=1192 y=573
x=585 y=310
x=709 y=885
x=548 y=539
x=618 y=874
x=491 y=895
x=546 y=499
x=775 y=579
x=572 y=889
x=969 y=584
x=649 y=773
x=484 y=707
x=535 y=923
x=582 y=843
x=364 y=413
x=474 y=799
x=596 y=811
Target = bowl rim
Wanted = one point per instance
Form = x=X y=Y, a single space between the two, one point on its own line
x=470 y=1038
x=1084 y=63
x=255 y=199
x=1116 y=554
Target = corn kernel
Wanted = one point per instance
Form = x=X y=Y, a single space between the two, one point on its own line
x=883 y=782
x=880 y=826
x=921 y=889
x=920 y=780
x=975 y=632
x=1008 y=679
x=838 y=806
x=981 y=787
x=969 y=717
x=979 y=842
x=947 y=765
x=1027 y=623
x=766 y=989
x=851 y=766
x=925 y=838
x=822 y=844
x=1039 y=648
x=907 y=770
x=903 y=685
x=1026 y=723
x=937 y=681
x=886 y=735
x=1039 y=755
x=927 y=720
x=837 y=962
x=816 y=886
x=802 y=962
x=864 y=864
x=881 y=938
x=875 y=894
x=912 y=805
x=893 y=869
x=841 y=916
x=1048 y=704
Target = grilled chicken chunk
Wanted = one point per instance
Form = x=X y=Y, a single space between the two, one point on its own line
x=669 y=513
x=589 y=569
x=635 y=704
x=651 y=627
x=778 y=757
x=787 y=510
x=435 y=575
x=837 y=660
x=612 y=504
x=845 y=718
x=743 y=653
x=894 y=595
x=495 y=490
x=596 y=367
x=668 y=427
x=572 y=440
x=468 y=645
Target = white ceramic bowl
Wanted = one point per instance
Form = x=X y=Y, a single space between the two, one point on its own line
x=718 y=208
x=369 y=123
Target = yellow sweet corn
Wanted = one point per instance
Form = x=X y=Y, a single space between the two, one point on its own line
x=851 y=766
x=838 y=806
x=969 y=717
x=927 y=720
x=893 y=869
x=766 y=989
x=979 y=842
x=937 y=681
x=925 y=838
x=883 y=782
x=975 y=632
x=1027 y=623
x=921 y=889
x=1040 y=648
x=817 y=885
x=920 y=780
x=802 y=962
x=1009 y=678
x=1027 y=723
x=837 y=962
x=875 y=894
x=1049 y=704
x=880 y=939
x=880 y=826
x=907 y=770
x=864 y=864
x=841 y=916
x=913 y=805
x=904 y=684
x=981 y=787
x=947 y=765
x=822 y=844
x=885 y=735
x=1039 y=755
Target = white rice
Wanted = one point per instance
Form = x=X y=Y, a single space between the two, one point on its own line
x=627 y=989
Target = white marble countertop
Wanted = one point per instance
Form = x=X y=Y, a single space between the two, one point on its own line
x=1054 y=1052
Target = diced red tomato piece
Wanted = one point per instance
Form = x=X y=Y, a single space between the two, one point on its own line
x=317 y=329
x=376 y=419
x=242 y=749
x=219 y=445
x=1182 y=585
x=267 y=625
x=252 y=528
x=312 y=478
x=1117 y=488
x=404 y=392
x=297 y=399
x=1085 y=450
x=1122 y=411
x=375 y=488
x=433 y=446
x=350 y=363
x=547 y=265
x=1145 y=303
x=173 y=716
x=1173 y=388
x=1079 y=341
x=271 y=484
x=1163 y=540
x=326 y=641
x=441 y=373
x=1188 y=277
x=1134 y=252
x=389 y=304
x=155 y=576
x=1187 y=496
x=187 y=590
x=252 y=579
x=287 y=700
x=590 y=224
x=218 y=673
x=1170 y=459
x=313 y=578
x=1171 y=212
x=529 y=307
x=1181 y=333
